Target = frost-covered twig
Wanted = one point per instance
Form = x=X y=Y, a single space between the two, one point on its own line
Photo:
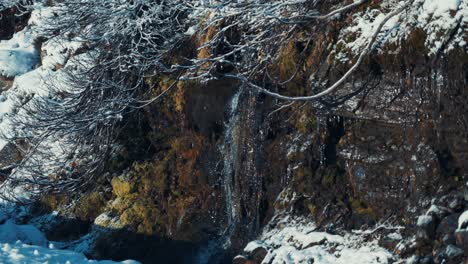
x=338 y=83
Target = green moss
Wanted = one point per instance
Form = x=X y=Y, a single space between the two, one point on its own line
x=361 y=208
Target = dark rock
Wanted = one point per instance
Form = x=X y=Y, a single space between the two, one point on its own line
x=5 y=83
x=426 y=227
x=440 y=257
x=422 y=260
x=405 y=248
x=449 y=239
x=12 y=20
x=439 y=212
x=449 y=255
x=465 y=192
x=259 y=254
x=9 y=154
x=256 y=250
x=461 y=237
x=457 y=204
x=242 y=260
x=316 y=243
x=61 y=227
x=390 y=241
x=453 y=252
x=446 y=229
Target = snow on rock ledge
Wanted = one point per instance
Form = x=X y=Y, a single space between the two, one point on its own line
x=296 y=242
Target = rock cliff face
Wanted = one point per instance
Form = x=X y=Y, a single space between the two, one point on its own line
x=220 y=156
x=206 y=169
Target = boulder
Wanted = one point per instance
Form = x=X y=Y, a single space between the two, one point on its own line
x=405 y=248
x=438 y=212
x=259 y=254
x=461 y=237
x=390 y=241
x=421 y=260
x=256 y=250
x=426 y=227
x=242 y=260
x=454 y=253
x=449 y=255
x=445 y=231
x=9 y=154
x=5 y=83
x=456 y=204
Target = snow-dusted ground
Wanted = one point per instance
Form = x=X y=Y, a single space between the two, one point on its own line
x=294 y=241
x=26 y=244
x=18 y=252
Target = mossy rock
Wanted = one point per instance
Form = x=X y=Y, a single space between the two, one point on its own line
x=122 y=188
x=143 y=217
x=90 y=206
x=50 y=202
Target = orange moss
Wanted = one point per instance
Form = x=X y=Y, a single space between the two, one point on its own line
x=205 y=52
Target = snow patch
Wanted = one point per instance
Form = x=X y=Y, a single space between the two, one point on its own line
x=424 y=220
x=11 y=253
x=295 y=241
x=18 y=55
x=463 y=220
x=28 y=234
x=436 y=18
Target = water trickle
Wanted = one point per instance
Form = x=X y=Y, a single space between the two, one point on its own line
x=215 y=250
x=229 y=150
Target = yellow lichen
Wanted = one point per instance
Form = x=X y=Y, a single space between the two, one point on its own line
x=142 y=216
x=121 y=187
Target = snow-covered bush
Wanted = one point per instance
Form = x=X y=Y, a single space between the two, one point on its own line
x=20 y=4
x=70 y=129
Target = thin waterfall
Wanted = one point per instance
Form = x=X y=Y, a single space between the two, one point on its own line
x=214 y=251
x=229 y=150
